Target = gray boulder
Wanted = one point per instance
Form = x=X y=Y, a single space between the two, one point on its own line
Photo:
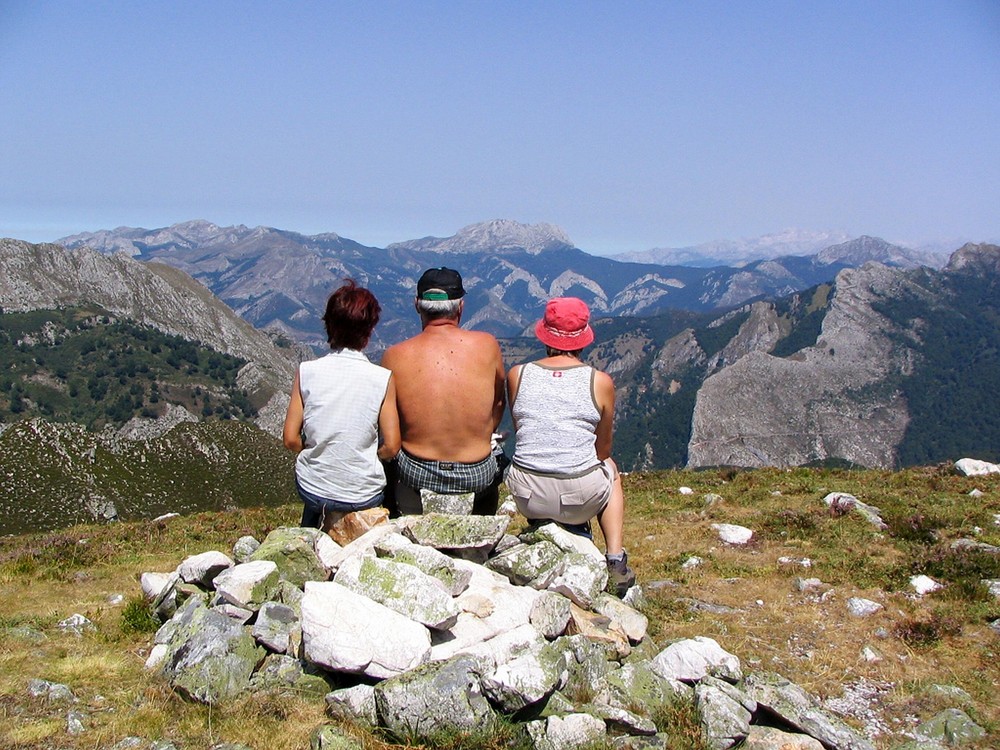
x=951 y=727
x=438 y=697
x=527 y=679
x=725 y=714
x=468 y=537
x=293 y=551
x=354 y=704
x=580 y=578
x=797 y=708
x=209 y=657
x=277 y=628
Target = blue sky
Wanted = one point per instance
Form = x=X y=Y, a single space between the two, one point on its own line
x=630 y=125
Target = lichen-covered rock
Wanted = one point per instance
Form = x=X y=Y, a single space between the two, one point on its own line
x=438 y=697
x=283 y=672
x=455 y=505
x=346 y=632
x=399 y=548
x=468 y=537
x=248 y=585
x=328 y=737
x=402 y=588
x=638 y=686
x=293 y=551
x=528 y=564
x=244 y=547
x=550 y=614
x=580 y=578
x=951 y=727
x=724 y=719
x=800 y=710
x=527 y=679
x=209 y=657
x=355 y=704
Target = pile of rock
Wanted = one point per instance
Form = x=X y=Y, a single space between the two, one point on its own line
x=445 y=623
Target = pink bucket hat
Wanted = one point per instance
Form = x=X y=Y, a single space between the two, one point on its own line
x=565 y=325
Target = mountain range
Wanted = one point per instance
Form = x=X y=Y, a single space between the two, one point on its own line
x=878 y=365
x=279 y=280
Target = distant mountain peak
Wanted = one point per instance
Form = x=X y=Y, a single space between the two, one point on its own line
x=495 y=236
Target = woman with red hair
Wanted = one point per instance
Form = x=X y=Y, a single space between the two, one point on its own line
x=342 y=417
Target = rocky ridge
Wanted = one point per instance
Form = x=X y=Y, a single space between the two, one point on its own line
x=36 y=277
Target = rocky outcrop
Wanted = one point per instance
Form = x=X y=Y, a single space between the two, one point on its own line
x=832 y=400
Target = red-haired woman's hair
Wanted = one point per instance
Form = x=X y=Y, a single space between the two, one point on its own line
x=351 y=315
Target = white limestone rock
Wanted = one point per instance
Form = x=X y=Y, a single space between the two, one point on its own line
x=580 y=578
x=691 y=659
x=203 y=568
x=861 y=607
x=922 y=585
x=152 y=584
x=567 y=732
x=623 y=618
x=346 y=632
x=248 y=585
x=972 y=467
x=732 y=534
x=550 y=614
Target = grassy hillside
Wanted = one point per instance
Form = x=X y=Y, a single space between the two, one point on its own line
x=744 y=597
x=83 y=365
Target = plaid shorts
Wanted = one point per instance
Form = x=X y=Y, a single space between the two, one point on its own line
x=448 y=477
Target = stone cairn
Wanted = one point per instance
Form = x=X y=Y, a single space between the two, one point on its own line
x=443 y=623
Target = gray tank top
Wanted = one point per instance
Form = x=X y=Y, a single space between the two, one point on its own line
x=556 y=416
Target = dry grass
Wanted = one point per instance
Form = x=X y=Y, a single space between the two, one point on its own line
x=808 y=637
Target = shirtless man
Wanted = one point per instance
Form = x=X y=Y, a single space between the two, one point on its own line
x=450 y=397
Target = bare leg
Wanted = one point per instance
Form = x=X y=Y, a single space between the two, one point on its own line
x=612 y=518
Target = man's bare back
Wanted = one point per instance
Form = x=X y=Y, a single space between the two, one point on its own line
x=449 y=391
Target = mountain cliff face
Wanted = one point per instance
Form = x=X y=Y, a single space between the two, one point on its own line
x=280 y=280
x=36 y=277
x=880 y=365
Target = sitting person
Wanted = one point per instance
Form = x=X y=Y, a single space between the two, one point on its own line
x=450 y=395
x=563 y=412
x=342 y=415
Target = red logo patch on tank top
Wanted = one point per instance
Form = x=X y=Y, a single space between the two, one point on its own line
x=557 y=374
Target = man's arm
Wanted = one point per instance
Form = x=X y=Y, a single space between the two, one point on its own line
x=388 y=424
x=499 y=394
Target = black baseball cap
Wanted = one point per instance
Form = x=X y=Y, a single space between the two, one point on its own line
x=439 y=284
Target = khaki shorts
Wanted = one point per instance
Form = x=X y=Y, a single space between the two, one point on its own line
x=571 y=500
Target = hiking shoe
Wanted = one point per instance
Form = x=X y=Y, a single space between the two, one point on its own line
x=620 y=575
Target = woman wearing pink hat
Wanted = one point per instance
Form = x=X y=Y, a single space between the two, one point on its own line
x=563 y=411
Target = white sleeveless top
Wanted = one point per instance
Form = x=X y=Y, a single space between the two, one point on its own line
x=556 y=414
x=342 y=395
